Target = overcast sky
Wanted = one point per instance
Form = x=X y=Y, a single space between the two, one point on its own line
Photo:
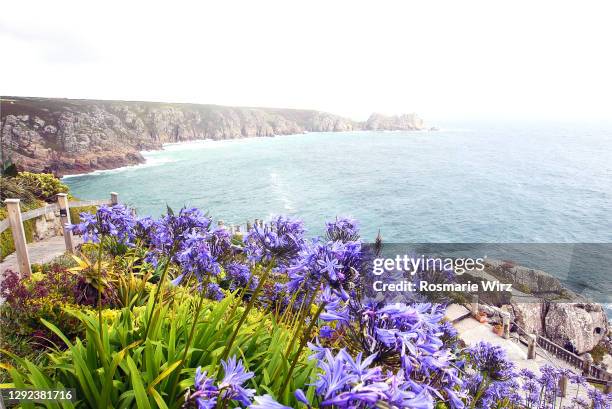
x=442 y=59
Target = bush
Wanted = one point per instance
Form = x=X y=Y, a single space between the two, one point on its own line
x=116 y=368
x=49 y=293
x=43 y=185
x=14 y=188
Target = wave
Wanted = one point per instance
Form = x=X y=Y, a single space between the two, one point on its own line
x=149 y=162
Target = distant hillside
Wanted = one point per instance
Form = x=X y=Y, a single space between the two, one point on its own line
x=66 y=136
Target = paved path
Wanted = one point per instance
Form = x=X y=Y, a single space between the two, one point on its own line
x=40 y=252
x=456 y=312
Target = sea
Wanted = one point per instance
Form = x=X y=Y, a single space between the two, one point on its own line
x=467 y=182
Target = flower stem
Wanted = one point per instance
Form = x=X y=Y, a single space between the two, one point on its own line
x=262 y=281
x=100 y=284
x=300 y=323
x=301 y=347
x=189 y=340
x=158 y=290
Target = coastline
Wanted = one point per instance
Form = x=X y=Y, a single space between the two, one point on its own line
x=147 y=153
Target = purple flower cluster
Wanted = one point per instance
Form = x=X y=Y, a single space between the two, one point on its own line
x=231 y=388
x=238 y=275
x=334 y=263
x=342 y=229
x=401 y=335
x=196 y=258
x=347 y=382
x=491 y=382
x=109 y=221
x=281 y=240
x=173 y=234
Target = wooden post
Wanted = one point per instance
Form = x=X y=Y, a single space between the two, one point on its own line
x=114 y=198
x=588 y=363
x=21 y=248
x=62 y=201
x=506 y=324
x=532 y=340
x=475 y=308
x=563 y=386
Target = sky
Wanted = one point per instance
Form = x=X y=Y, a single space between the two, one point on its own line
x=442 y=59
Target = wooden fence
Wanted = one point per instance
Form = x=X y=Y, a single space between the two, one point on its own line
x=15 y=220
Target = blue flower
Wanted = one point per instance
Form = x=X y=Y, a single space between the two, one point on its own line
x=266 y=402
x=301 y=397
x=205 y=392
x=234 y=377
x=282 y=241
x=109 y=221
x=342 y=229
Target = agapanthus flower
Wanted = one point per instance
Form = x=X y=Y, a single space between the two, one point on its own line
x=214 y=292
x=205 y=392
x=114 y=221
x=342 y=229
x=599 y=400
x=301 y=397
x=220 y=243
x=282 y=241
x=491 y=360
x=171 y=234
x=335 y=264
x=266 y=402
x=238 y=275
x=196 y=259
x=232 y=384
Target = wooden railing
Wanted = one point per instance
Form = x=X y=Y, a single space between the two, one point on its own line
x=15 y=220
x=560 y=352
x=51 y=208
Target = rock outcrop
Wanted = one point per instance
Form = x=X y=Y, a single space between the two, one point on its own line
x=552 y=310
x=65 y=136
x=407 y=122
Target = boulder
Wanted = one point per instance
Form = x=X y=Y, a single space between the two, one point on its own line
x=579 y=325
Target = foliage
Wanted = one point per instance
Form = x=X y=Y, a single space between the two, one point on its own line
x=188 y=316
x=15 y=188
x=43 y=185
x=49 y=294
x=116 y=368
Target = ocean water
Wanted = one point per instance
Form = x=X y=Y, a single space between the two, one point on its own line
x=469 y=182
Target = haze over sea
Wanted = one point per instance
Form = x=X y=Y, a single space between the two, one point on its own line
x=483 y=182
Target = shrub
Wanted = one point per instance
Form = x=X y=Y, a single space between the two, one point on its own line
x=115 y=368
x=14 y=188
x=43 y=185
x=49 y=293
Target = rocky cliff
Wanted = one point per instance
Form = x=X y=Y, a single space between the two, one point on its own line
x=551 y=310
x=65 y=136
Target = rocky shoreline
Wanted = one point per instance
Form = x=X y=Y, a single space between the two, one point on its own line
x=64 y=136
x=550 y=310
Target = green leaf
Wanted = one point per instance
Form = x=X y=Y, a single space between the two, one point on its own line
x=163 y=375
x=142 y=401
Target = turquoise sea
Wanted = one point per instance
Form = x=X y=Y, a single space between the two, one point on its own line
x=467 y=182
